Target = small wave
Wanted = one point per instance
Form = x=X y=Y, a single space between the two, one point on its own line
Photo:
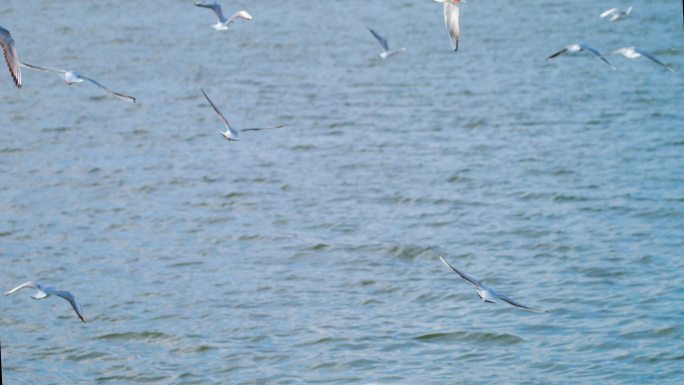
x=134 y=336
x=495 y=338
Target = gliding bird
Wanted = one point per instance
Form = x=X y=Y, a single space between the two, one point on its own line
x=71 y=77
x=451 y=13
x=44 y=292
x=635 y=53
x=11 y=58
x=231 y=134
x=383 y=42
x=223 y=23
x=487 y=294
x=616 y=13
x=576 y=48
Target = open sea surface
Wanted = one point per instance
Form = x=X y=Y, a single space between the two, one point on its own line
x=309 y=254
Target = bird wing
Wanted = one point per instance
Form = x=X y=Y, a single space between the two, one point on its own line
x=117 y=95
x=11 y=57
x=214 y=7
x=24 y=285
x=263 y=128
x=34 y=67
x=654 y=59
x=596 y=53
x=223 y=118
x=516 y=304
x=564 y=50
x=451 y=13
x=72 y=300
x=240 y=14
x=380 y=39
x=609 y=12
x=463 y=275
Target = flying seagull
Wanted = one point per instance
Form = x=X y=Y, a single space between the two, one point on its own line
x=383 y=42
x=451 y=12
x=576 y=48
x=616 y=14
x=223 y=23
x=11 y=58
x=635 y=53
x=488 y=294
x=44 y=292
x=70 y=77
x=231 y=133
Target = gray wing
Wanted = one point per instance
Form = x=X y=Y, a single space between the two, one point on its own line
x=596 y=53
x=214 y=7
x=223 y=118
x=655 y=60
x=381 y=40
x=564 y=50
x=29 y=284
x=463 y=275
x=516 y=304
x=451 y=13
x=34 y=67
x=263 y=128
x=117 y=95
x=11 y=57
x=72 y=300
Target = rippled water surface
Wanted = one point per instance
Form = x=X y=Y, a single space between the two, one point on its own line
x=309 y=254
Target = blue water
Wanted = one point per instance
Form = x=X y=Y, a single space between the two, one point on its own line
x=309 y=254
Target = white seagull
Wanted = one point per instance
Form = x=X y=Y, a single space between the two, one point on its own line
x=223 y=23
x=383 y=42
x=44 y=292
x=487 y=294
x=70 y=77
x=231 y=133
x=451 y=13
x=577 y=48
x=635 y=53
x=616 y=13
x=11 y=58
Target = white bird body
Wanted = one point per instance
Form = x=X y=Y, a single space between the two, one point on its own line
x=44 y=292
x=386 y=52
x=451 y=20
x=579 y=48
x=231 y=134
x=11 y=57
x=635 y=53
x=70 y=77
x=488 y=294
x=616 y=14
x=223 y=23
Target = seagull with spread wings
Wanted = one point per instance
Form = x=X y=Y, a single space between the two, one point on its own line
x=44 y=292
x=635 y=53
x=223 y=23
x=71 y=77
x=385 y=46
x=231 y=134
x=487 y=294
x=579 y=48
x=616 y=14
x=11 y=57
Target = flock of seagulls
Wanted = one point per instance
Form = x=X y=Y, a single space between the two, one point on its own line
x=615 y=14
x=451 y=18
